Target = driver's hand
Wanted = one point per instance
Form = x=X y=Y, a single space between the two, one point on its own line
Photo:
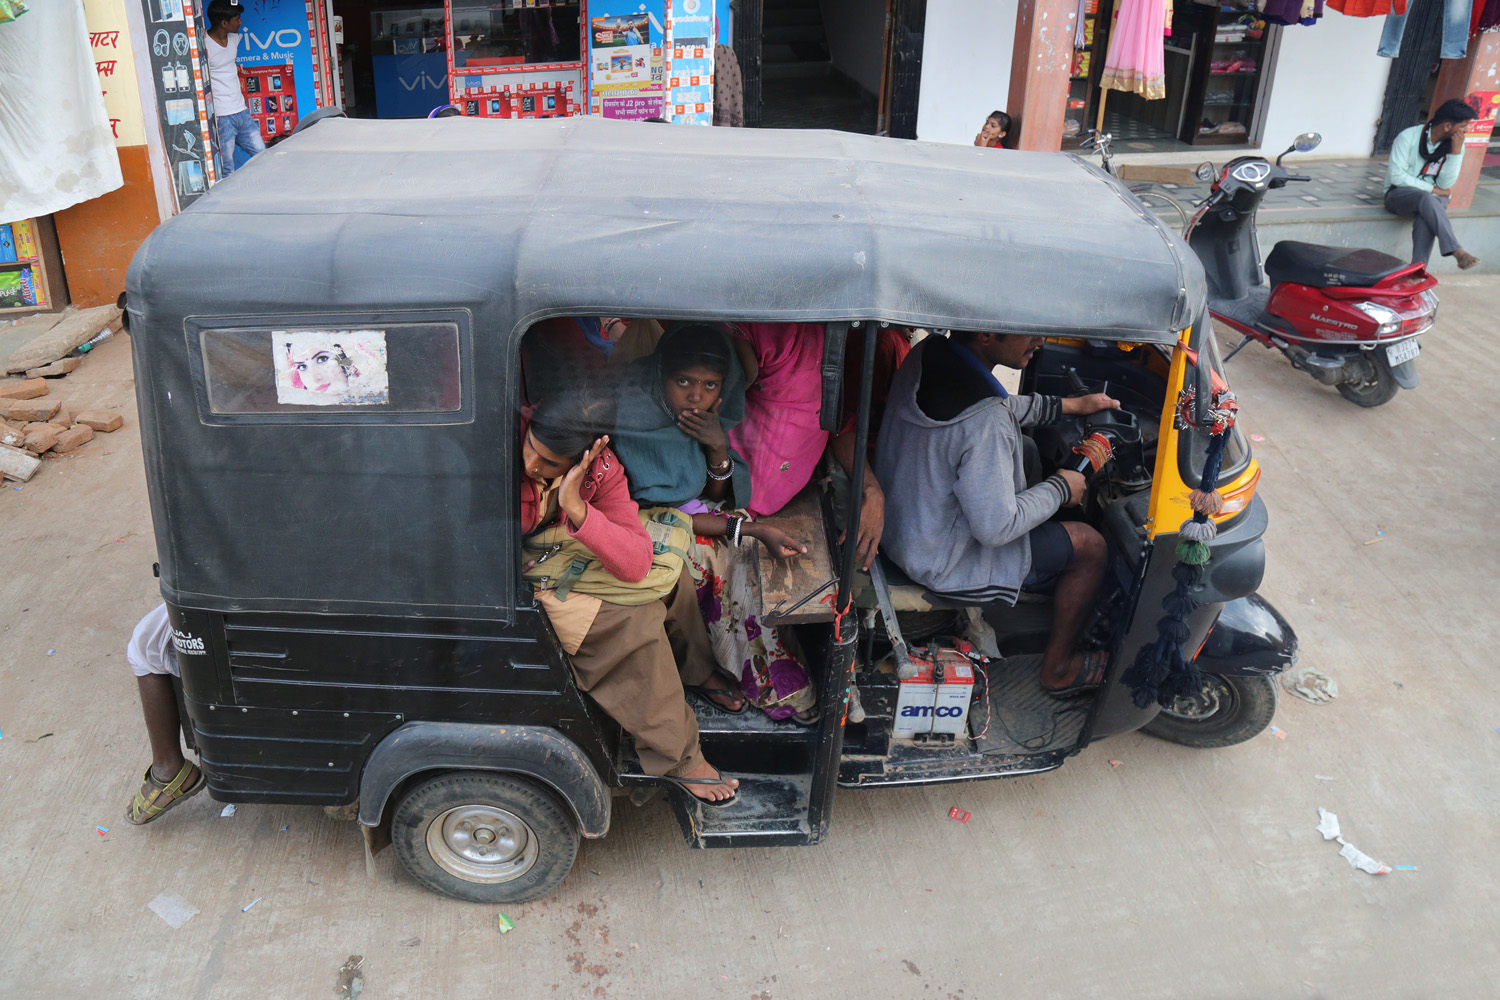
x=1082 y=406
x=1076 y=486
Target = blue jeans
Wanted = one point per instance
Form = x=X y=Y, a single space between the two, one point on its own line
x=239 y=129
x=1455 y=30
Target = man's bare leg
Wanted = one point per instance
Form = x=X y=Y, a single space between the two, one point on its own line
x=1073 y=601
x=163 y=724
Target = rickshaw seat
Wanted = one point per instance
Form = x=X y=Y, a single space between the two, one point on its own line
x=906 y=593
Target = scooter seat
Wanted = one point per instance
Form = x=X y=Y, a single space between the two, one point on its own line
x=1327 y=267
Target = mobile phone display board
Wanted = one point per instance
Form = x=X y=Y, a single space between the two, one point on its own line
x=271 y=95
x=284 y=42
x=176 y=36
x=516 y=58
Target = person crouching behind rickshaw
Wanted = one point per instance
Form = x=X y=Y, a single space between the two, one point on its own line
x=627 y=617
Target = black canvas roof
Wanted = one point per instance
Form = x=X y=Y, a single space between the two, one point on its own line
x=586 y=214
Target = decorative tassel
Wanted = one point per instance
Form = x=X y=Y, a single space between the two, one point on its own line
x=1193 y=553
x=1161 y=673
x=1209 y=504
x=1195 y=530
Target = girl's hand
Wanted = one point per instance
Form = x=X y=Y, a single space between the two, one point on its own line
x=703 y=426
x=777 y=542
x=569 y=495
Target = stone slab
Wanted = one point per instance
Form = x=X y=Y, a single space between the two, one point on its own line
x=30 y=409
x=29 y=389
x=100 y=420
x=59 y=367
x=71 y=331
x=16 y=464
x=72 y=438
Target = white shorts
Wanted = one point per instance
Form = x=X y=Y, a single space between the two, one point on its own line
x=150 y=650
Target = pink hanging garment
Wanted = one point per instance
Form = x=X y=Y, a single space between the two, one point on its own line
x=1137 y=50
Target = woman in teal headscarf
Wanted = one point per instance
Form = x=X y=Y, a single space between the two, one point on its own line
x=676 y=407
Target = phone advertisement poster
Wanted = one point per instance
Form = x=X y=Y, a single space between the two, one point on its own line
x=625 y=61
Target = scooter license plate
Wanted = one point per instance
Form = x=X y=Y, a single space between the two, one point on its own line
x=1403 y=352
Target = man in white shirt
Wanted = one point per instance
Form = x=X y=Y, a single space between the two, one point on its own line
x=231 y=114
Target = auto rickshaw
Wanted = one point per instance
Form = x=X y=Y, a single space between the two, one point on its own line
x=343 y=573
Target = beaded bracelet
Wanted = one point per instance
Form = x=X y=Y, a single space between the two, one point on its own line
x=720 y=477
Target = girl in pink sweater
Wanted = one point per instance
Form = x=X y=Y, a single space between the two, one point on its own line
x=634 y=661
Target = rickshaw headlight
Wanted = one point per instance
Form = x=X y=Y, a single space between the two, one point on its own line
x=1238 y=496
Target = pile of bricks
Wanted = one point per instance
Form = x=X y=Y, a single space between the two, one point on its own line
x=31 y=425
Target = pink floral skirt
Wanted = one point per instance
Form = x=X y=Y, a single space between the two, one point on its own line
x=771 y=673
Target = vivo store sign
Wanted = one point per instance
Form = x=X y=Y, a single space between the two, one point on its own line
x=275 y=33
x=287 y=40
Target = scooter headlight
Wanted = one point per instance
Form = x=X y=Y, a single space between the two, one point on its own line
x=1387 y=320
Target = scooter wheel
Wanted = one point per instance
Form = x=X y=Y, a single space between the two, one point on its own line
x=1379 y=389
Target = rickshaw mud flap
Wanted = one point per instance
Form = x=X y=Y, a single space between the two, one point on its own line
x=536 y=752
x=1249 y=639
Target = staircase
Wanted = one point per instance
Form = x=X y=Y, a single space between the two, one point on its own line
x=794 y=45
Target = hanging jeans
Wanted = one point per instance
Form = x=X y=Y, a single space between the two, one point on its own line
x=1429 y=221
x=1455 y=30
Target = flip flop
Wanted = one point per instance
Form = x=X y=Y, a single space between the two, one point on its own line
x=712 y=695
x=683 y=784
x=156 y=796
x=1089 y=677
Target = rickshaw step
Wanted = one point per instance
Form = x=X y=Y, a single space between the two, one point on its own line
x=768 y=811
x=713 y=721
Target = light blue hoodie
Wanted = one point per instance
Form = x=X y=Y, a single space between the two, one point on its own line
x=957 y=510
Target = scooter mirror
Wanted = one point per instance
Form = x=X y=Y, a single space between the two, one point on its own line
x=1307 y=142
x=1204 y=171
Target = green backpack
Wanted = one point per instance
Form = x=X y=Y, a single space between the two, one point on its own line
x=563 y=565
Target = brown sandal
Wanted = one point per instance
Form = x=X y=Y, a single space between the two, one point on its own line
x=156 y=797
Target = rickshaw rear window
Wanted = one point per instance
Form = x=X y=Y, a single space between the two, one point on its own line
x=374 y=369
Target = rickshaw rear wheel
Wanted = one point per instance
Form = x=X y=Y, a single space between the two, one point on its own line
x=484 y=837
x=1225 y=711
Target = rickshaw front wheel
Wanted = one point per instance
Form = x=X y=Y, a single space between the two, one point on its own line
x=1226 y=710
x=484 y=837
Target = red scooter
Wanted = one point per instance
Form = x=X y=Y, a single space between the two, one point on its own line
x=1348 y=317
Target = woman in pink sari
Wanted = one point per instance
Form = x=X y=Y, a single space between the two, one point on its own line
x=780 y=437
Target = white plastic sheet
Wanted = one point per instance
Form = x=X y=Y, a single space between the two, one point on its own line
x=56 y=147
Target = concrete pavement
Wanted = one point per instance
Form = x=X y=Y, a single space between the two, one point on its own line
x=1178 y=873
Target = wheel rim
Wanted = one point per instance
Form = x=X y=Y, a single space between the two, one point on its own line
x=1212 y=697
x=482 y=843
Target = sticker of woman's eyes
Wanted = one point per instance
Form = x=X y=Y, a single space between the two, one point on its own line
x=331 y=367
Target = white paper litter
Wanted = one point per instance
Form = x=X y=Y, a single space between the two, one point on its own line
x=227 y=810
x=1328 y=826
x=1310 y=685
x=174 y=911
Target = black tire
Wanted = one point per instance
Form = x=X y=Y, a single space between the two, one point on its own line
x=531 y=835
x=1381 y=389
x=1229 y=710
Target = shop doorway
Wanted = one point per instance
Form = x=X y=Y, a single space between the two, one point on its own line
x=1217 y=66
x=822 y=63
x=392 y=60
